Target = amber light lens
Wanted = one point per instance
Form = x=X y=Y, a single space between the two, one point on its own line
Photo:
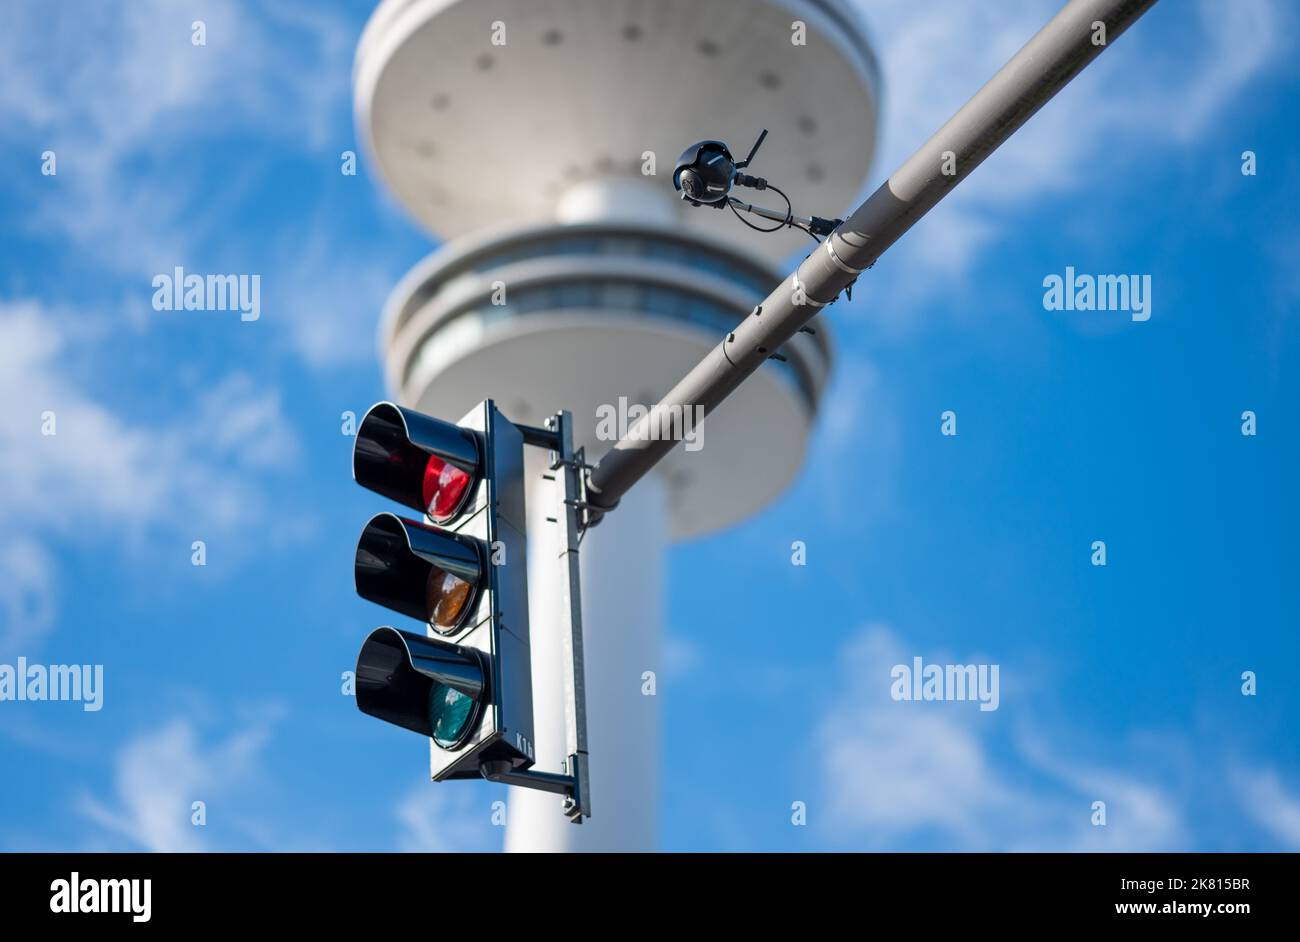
x=448 y=600
x=443 y=489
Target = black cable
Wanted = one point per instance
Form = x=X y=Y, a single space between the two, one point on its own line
x=779 y=225
x=789 y=215
x=788 y=222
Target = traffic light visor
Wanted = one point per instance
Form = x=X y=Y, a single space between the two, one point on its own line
x=418 y=570
x=430 y=687
x=420 y=462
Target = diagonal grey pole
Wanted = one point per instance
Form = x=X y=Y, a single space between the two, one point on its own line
x=1055 y=55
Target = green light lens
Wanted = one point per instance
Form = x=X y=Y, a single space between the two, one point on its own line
x=449 y=713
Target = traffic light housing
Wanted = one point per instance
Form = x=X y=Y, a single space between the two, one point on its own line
x=428 y=687
x=466 y=683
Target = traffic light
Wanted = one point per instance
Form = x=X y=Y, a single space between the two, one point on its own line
x=466 y=682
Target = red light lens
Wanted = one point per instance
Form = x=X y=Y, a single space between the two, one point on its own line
x=444 y=486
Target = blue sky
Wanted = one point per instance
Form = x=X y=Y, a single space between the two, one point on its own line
x=222 y=682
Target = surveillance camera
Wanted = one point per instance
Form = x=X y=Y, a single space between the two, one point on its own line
x=704 y=173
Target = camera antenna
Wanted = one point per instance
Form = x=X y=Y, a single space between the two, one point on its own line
x=753 y=150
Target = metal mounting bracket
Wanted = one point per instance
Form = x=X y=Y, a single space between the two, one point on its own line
x=569 y=469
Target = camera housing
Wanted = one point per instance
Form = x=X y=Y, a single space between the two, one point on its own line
x=705 y=173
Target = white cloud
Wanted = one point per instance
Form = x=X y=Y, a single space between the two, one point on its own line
x=111 y=87
x=448 y=817
x=129 y=74
x=126 y=102
x=115 y=87
x=894 y=772
x=1238 y=46
x=896 y=768
x=1266 y=801
x=158 y=777
x=27 y=602
x=240 y=421
x=327 y=295
x=858 y=418
x=109 y=477
x=1140 y=815
x=1151 y=91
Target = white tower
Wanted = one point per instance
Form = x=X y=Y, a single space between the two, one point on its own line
x=538 y=138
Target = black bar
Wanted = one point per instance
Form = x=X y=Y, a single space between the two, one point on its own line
x=427 y=894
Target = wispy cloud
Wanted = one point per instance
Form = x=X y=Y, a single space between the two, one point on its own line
x=859 y=416
x=160 y=774
x=897 y=772
x=936 y=55
x=151 y=137
x=1267 y=802
x=327 y=292
x=105 y=476
x=27 y=602
x=124 y=97
x=1154 y=93
x=447 y=818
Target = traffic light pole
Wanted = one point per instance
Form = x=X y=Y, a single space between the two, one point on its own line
x=1054 y=56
